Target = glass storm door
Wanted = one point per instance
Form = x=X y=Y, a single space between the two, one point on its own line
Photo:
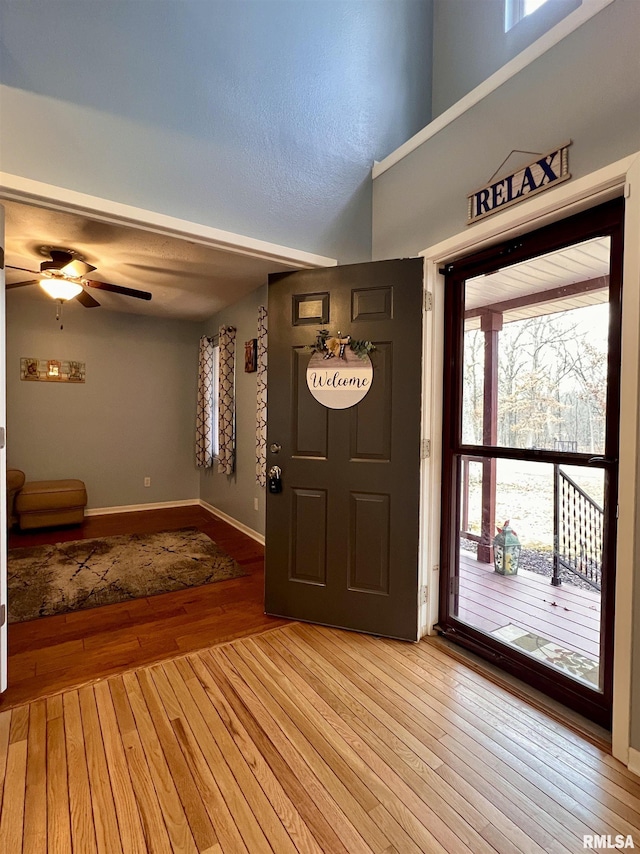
x=531 y=453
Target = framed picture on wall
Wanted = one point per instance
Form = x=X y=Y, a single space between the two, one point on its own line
x=250 y=356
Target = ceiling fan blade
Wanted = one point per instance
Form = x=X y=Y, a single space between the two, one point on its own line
x=24 y=269
x=116 y=289
x=87 y=300
x=10 y=286
x=76 y=269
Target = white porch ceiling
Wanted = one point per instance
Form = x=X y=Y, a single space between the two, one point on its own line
x=583 y=262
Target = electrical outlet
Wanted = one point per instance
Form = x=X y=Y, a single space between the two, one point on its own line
x=255 y=504
x=147 y=481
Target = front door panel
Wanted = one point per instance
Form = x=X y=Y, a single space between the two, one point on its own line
x=342 y=535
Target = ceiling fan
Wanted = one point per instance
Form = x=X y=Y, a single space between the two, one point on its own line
x=63 y=278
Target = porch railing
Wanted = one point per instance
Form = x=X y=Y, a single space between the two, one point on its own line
x=578 y=526
x=464 y=509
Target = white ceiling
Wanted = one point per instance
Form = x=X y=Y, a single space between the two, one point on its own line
x=188 y=279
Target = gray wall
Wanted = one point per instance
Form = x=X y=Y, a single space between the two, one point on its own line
x=134 y=416
x=234 y=494
x=587 y=89
x=261 y=117
x=470 y=44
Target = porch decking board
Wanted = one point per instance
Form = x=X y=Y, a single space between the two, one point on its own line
x=489 y=601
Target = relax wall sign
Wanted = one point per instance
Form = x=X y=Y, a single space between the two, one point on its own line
x=542 y=174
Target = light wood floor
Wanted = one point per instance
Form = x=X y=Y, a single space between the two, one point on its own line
x=52 y=653
x=304 y=739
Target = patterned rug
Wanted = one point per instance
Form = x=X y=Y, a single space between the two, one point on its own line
x=53 y=579
x=573 y=663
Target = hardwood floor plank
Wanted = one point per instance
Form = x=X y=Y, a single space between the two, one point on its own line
x=58 y=806
x=273 y=791
x=129 y=823
x=151 y=815
x=269 y=819
x=355 y=824
x=203 y=833
x=292 y=786
x=5 y=726
x=19 y=725
x=193 y=699
x=174 y=816
x=83 y=832
x=35 y=806
x=421 y=779
x=304 y=776
x=522 y=750
x=82 y=827
x=422 y=807
x=580 y=770
x=169 y=684
x=104 y=811
x=12 y=818
x=468 y=732
x=516 y=813
x=336 y=774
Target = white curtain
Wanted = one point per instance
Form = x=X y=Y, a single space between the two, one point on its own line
x=226 y=399
x=204 y=416
x=261 y=403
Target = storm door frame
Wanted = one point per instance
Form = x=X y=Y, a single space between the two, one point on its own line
x=603 y=220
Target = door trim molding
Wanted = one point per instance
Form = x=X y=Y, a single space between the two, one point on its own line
x=634 y=761
x=619 y=178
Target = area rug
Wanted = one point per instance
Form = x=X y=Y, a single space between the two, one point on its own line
x=54 y=579
x=574 y=663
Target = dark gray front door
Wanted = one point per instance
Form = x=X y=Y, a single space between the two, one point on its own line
x=342 y=535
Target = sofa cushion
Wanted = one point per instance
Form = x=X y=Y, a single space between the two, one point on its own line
x=51 y=495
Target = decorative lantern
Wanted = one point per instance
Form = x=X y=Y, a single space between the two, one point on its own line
x=506 y=550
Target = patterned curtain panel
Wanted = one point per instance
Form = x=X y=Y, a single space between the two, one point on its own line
x=261 y=407
x=226 y=401
x=204 y=418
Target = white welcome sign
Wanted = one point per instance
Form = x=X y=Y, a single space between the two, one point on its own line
x=339 y=382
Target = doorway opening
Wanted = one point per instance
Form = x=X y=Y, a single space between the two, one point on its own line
x=530 y=456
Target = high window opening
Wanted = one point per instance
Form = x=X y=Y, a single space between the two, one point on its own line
x=516 y=10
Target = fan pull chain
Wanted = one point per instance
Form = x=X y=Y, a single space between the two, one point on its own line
x=59 y=312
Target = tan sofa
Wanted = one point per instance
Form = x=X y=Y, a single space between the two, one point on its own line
x=15 y=482
x=47 y=503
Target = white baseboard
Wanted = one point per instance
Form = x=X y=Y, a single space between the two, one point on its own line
x=162 y=505
x=634 y=761
x=134 y=508
x=259 y=538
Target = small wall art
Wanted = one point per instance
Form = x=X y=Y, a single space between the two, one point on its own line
x=250 y=356
x=51 y=370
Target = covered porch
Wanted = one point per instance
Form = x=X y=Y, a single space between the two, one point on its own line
x=559 y=625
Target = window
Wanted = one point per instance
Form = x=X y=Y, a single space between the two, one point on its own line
x=516 y=10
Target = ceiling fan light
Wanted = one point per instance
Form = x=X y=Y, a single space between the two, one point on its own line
x=60 y=289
